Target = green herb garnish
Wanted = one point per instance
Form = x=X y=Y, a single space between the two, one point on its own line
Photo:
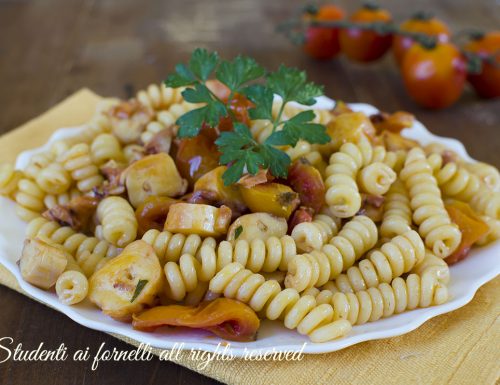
x=138 y=289
x=240 y=151
x=238 y=232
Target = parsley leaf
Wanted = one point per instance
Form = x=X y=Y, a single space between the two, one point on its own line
x=238 y=72
x=200 y=66
x=181 y=78
x=277 y=160
x=299 y=127
x=262 y=97
x=139 y=288
x=239 y=151
x=202 y=63
x=291 y=84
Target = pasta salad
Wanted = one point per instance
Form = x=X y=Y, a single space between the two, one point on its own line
x=223 y=197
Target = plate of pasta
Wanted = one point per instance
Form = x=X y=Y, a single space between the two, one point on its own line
x=266 y=217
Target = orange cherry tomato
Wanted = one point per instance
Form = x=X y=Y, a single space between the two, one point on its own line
x=434 y=77
x=196 y=156
x=226 y=318
x=419 y=23
x=239 y=106
x=323 y=42
x=487 y=82
x=361 y=45
x=471 y=226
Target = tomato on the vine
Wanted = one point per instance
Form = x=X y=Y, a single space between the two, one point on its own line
x=363 y=45
x=434 y=76
x=487 y=46
x=323 y=42
x=420 y=23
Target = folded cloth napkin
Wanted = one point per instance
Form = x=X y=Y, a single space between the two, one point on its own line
x=460 y=347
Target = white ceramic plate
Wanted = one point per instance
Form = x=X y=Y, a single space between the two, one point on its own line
x=466 y=277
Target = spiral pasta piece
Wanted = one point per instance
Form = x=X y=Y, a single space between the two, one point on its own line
x=441 y=236
x=29 y=198
x=106 y=147
x=305 y=150
x=487 y=173
x=133 y=152
x=257 y=255
x=309 y=236
x=397 y=211
x=386 y=299
x=9 y=180
x=319 y=266
x=321 y=116
x=72 y=287
x=434 y=264
x=342 y=195
x=493 y=233
x=396 y=257
x=168 y=117
x=152 y=129
x=457 y=182
x=160 y=97
x=37 y=163
x=119 y=224
x=487 y=202
x=88 y=251
x=301 y=313
x=169 y=247
x=184 y=276
x=78 y=162
x=54 y=179
x=376 y=178
x=51 y=200
x=261 y=129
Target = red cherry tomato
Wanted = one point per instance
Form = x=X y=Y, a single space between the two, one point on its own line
x=419 y=23
x=434 y=77
x=361 y=45
x=322 y=42
x=487 y=82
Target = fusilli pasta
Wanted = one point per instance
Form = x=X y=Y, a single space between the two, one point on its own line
x=387 y=299
x=396 y=257
x=397 y=211
x=9 y=180
x=160 y=97
x=106 y=147
x=29 y=198
x=319 y=266
x=78 y=162
x=119 y=224
x=88 y=251
x=441 y=236
x=312 y=235
x=267 y=297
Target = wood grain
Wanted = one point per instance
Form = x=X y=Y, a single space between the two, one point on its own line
x=51 y=48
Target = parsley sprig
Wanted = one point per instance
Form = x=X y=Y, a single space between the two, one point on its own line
x=240 y=151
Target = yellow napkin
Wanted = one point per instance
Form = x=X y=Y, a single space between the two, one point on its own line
x=459 y=347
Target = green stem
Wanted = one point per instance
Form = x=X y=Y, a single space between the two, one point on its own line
x=277 y=121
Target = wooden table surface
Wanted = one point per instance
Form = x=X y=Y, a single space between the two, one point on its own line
x=51 y=48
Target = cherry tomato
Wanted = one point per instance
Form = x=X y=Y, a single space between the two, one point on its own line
x=321 y=42
x=434 y=77
x=239 y=106
x=361 y=45
x=198 y=155
x=419 y=23
x=487 y=82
